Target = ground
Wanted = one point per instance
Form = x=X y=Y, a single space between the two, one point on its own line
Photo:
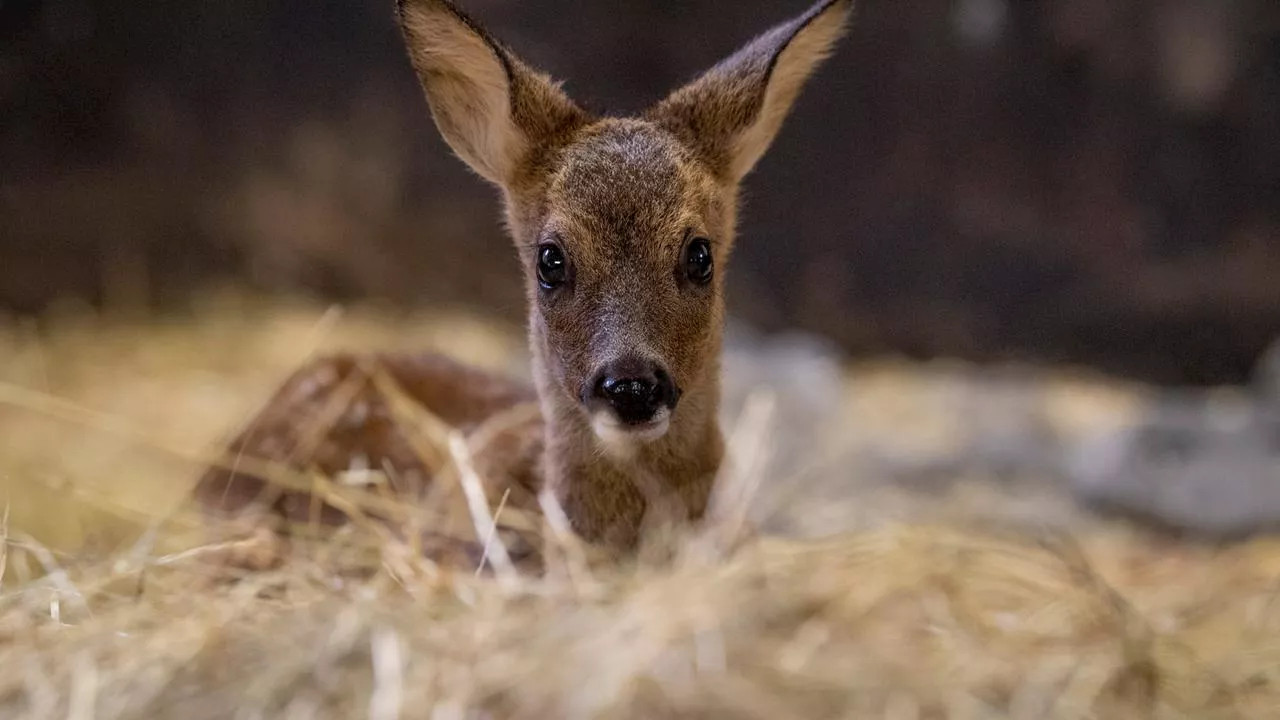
x=893 y=568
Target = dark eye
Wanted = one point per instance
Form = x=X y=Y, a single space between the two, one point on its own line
x=697 y=261
x=552 y=268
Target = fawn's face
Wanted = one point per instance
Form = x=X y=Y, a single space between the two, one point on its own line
x=624 y=267
x=623 y=225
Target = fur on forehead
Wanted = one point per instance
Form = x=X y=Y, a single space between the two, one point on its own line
x=631 y=181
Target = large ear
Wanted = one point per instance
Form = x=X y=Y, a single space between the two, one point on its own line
x=732 y=113
x=491 y=108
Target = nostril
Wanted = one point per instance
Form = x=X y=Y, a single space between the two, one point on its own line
x=663 y=382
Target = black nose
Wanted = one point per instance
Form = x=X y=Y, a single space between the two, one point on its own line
x=635 y=389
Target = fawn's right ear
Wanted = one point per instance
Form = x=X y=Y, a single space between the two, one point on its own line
x=491 y=108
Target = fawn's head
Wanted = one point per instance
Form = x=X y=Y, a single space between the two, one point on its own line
x=623 y=225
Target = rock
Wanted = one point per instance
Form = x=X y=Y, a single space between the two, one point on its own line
x=1203 y=462
x=1266 y=375
x=805 y=375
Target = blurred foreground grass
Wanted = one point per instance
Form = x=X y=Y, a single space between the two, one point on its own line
x=102 y=423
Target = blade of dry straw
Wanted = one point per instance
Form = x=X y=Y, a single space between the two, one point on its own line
x=387 y=655
x=478 y=504
x=570 y=545
x=84 y=689
x=742 y=471
x=493 y=530
x=4 y=542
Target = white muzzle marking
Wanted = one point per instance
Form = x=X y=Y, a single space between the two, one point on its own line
x=622 y=441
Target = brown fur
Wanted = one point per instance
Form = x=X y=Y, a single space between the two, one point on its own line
x=622 y=197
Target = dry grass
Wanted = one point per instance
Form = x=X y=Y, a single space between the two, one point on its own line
x=115 y=603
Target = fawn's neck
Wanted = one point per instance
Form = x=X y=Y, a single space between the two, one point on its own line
x=610 y=497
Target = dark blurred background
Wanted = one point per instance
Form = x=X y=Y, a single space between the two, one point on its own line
x=1087 y=181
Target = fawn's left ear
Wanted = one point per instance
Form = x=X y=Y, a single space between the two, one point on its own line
x=492 y=109
x=732 y=113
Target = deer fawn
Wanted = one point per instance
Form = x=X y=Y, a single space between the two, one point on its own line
x=623 y=227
